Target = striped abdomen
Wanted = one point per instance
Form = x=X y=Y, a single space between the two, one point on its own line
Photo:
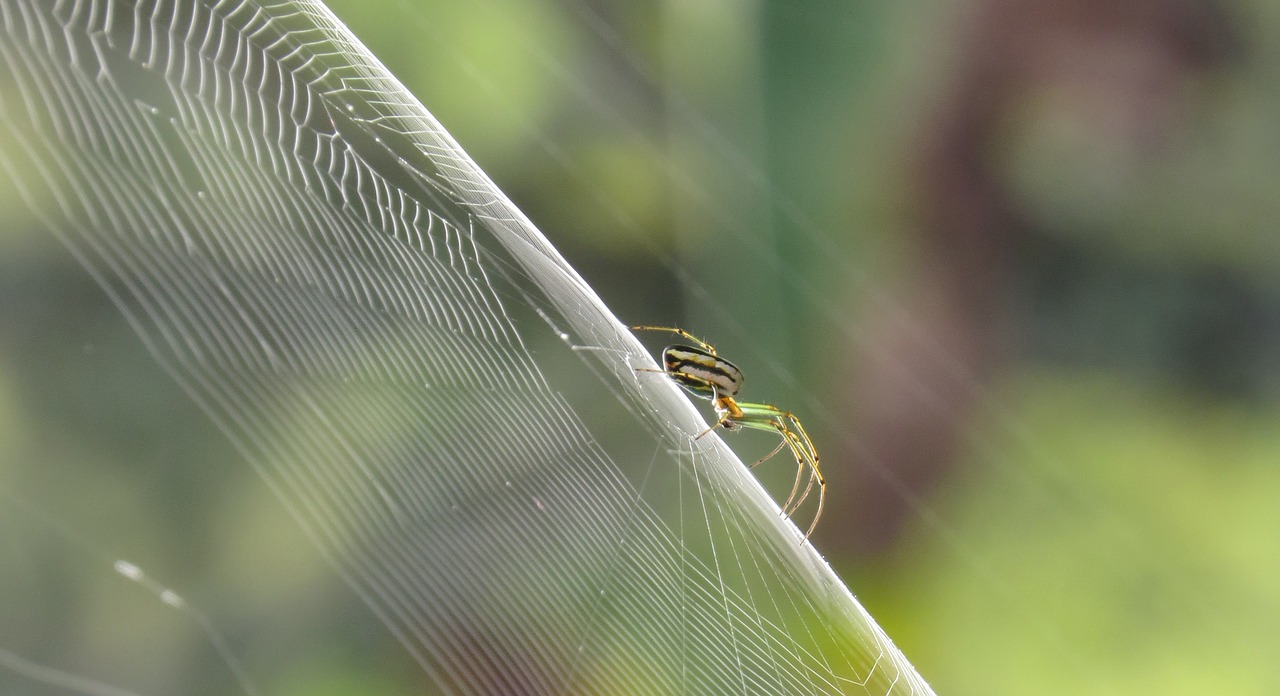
x=702 y=373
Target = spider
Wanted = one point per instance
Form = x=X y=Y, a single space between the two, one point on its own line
x=701 y=371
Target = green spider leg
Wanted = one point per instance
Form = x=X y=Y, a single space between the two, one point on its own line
x=768 y=417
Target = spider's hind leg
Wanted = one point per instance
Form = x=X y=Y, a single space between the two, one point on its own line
x=681 y=333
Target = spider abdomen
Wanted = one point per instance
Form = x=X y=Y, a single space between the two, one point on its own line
x=704 y=374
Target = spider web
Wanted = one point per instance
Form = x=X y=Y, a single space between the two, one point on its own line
x=258 y=270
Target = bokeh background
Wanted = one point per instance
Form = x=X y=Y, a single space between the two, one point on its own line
x=1013 y=263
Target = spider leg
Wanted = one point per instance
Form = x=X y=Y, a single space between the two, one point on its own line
x=793 y=503
x=822 y=498
x=650 y=369
x=815 y=473
x=679 y=332
x=728 y=415
x=808 y=488
x=769 y=417
x=770 y=455
x=789 y=440
x=715 y=425
x=805 y=464
x=794 y=437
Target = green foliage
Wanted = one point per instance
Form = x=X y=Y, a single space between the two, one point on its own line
x=1123 y=540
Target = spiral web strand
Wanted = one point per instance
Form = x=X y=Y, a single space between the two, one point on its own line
x=439 y=402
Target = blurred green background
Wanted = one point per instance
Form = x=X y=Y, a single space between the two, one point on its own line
x=1013 y=263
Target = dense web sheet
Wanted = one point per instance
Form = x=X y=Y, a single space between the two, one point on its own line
x=445 y=410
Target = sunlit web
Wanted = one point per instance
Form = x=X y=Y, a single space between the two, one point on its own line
x=438 y=404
